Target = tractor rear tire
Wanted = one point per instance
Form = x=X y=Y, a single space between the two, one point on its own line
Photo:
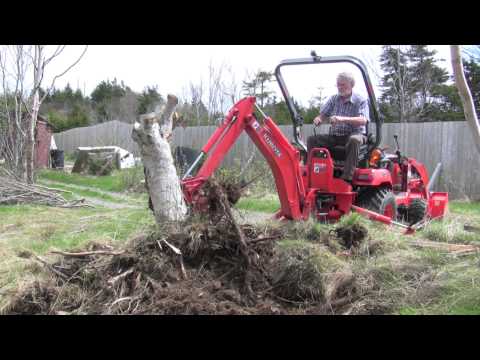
x=380 y=200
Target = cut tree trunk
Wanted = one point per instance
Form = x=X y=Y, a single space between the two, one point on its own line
x=465 y=94
x=151 y=133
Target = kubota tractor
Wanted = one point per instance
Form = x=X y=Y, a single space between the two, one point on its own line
x=386 y=187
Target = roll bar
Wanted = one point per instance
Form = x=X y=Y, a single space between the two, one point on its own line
x=315 y=59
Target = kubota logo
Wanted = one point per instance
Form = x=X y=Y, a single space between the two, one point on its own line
x=272 y=145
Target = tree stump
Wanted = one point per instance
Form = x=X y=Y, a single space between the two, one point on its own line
x=151 y=132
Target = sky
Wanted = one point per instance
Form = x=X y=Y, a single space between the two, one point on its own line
x=173 y=67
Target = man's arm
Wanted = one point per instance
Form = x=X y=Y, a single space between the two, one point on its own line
x=359 y=120
x=354 y=121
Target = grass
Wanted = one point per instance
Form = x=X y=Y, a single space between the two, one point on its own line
x=460 y=291
x=267 y=203
x=465 y=207
x=115 y=226
x=119 y=181
x=85 y=192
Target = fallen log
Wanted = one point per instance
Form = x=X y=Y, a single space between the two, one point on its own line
x=451 y=248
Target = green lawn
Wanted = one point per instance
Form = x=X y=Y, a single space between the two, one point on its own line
x=119 y=181
x=267 y=203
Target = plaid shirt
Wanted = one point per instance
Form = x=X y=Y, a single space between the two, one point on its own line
x=353 y=107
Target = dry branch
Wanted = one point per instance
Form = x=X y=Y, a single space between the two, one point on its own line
x=87 y=253
x=50 y=267
x=13 y=191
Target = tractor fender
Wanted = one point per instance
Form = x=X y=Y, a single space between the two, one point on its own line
x=372 y=177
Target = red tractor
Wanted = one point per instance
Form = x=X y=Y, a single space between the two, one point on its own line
x=385 y=187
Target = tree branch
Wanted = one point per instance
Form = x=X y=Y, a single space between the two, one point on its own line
x=465 y=94
x=63 y=73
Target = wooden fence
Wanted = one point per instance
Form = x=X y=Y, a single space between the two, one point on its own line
x=430 y=143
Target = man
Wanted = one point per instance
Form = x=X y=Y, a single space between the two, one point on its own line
x=348 y=113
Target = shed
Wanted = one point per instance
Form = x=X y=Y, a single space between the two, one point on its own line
x=43 y=139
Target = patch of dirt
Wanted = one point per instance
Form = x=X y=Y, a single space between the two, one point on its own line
x=351 y=235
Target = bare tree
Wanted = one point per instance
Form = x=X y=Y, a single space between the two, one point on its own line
x=196 y=95
x=12 y=126
x=203 y=102
x=215 y=93
x=465 y=94
x=22 y=102
x=231 y=88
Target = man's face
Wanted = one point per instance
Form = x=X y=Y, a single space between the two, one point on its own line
x=344 y=87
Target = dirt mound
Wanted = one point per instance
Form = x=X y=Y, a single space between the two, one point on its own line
x=351 y=235
x=150 y=276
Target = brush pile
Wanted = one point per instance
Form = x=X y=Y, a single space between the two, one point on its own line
x=14 y=191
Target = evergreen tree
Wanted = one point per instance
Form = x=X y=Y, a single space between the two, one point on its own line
x=66 y=109
x=414 y=86
x=396 y=84
x=106 y=97
x=426 y=77
x=148 y=99
x=258 y=86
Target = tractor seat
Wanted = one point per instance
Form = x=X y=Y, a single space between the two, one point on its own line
x=339 y=154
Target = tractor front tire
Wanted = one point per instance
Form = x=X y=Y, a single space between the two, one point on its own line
x=380 y=200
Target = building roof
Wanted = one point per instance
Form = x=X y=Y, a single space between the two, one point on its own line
x=43 y=118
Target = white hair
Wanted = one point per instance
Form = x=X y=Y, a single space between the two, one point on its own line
x=346 y=76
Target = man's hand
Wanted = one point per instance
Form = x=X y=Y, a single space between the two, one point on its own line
x=335 y=119
x=318 y=120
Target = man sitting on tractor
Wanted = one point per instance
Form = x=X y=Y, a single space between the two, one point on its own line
x=348 y=113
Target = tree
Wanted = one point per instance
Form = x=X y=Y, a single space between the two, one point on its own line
x=449 y=105
x=465 y=94
x=151 y=133
x=257 y=86
x=67 y=109
x=426 y=77
x=22 y=103
x=396 y=83
x=413 y=85
x=106 y=97
x=148 y=99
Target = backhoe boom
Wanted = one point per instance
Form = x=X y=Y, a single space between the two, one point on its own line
x=282 y=157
